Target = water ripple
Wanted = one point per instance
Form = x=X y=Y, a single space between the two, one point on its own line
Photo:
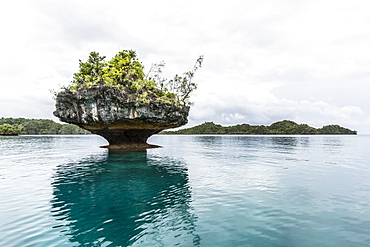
x=197 y=191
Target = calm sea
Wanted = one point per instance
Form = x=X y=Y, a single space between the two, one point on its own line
x=195 y=191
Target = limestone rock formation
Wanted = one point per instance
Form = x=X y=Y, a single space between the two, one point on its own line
x=117 y=116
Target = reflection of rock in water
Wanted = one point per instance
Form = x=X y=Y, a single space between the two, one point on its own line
x=125 y=199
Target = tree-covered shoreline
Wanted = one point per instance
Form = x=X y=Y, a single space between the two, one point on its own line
x=284 y=127
x=38 y=127
x=10 y=126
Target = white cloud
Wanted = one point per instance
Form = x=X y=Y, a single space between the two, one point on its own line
x=264 y=60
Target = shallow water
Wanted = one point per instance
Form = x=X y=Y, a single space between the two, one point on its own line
x=195 y=191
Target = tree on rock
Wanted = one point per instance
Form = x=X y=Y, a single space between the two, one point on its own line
x=91 y=72
x=124 y=69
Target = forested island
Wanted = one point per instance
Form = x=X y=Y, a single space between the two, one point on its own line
x=15 y=126
x=284 y=127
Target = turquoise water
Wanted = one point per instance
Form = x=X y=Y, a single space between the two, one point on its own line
x=195 y=191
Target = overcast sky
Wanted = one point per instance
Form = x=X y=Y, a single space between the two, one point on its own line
x=264 y=60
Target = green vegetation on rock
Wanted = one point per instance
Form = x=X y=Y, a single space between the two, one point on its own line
x=282 y=127
x=125 y=71
x=37 y=126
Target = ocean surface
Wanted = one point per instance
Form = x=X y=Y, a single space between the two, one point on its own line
x=195 y=191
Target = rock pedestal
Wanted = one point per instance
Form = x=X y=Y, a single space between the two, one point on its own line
x=113 y=114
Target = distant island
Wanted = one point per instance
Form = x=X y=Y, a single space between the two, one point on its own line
x=16 y=126
x=284 y=127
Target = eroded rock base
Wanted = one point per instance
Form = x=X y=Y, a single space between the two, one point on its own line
x=124 y=136
x=125 y=139
x=131 y=146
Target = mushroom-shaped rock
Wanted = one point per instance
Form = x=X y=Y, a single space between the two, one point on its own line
x=113 y=114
